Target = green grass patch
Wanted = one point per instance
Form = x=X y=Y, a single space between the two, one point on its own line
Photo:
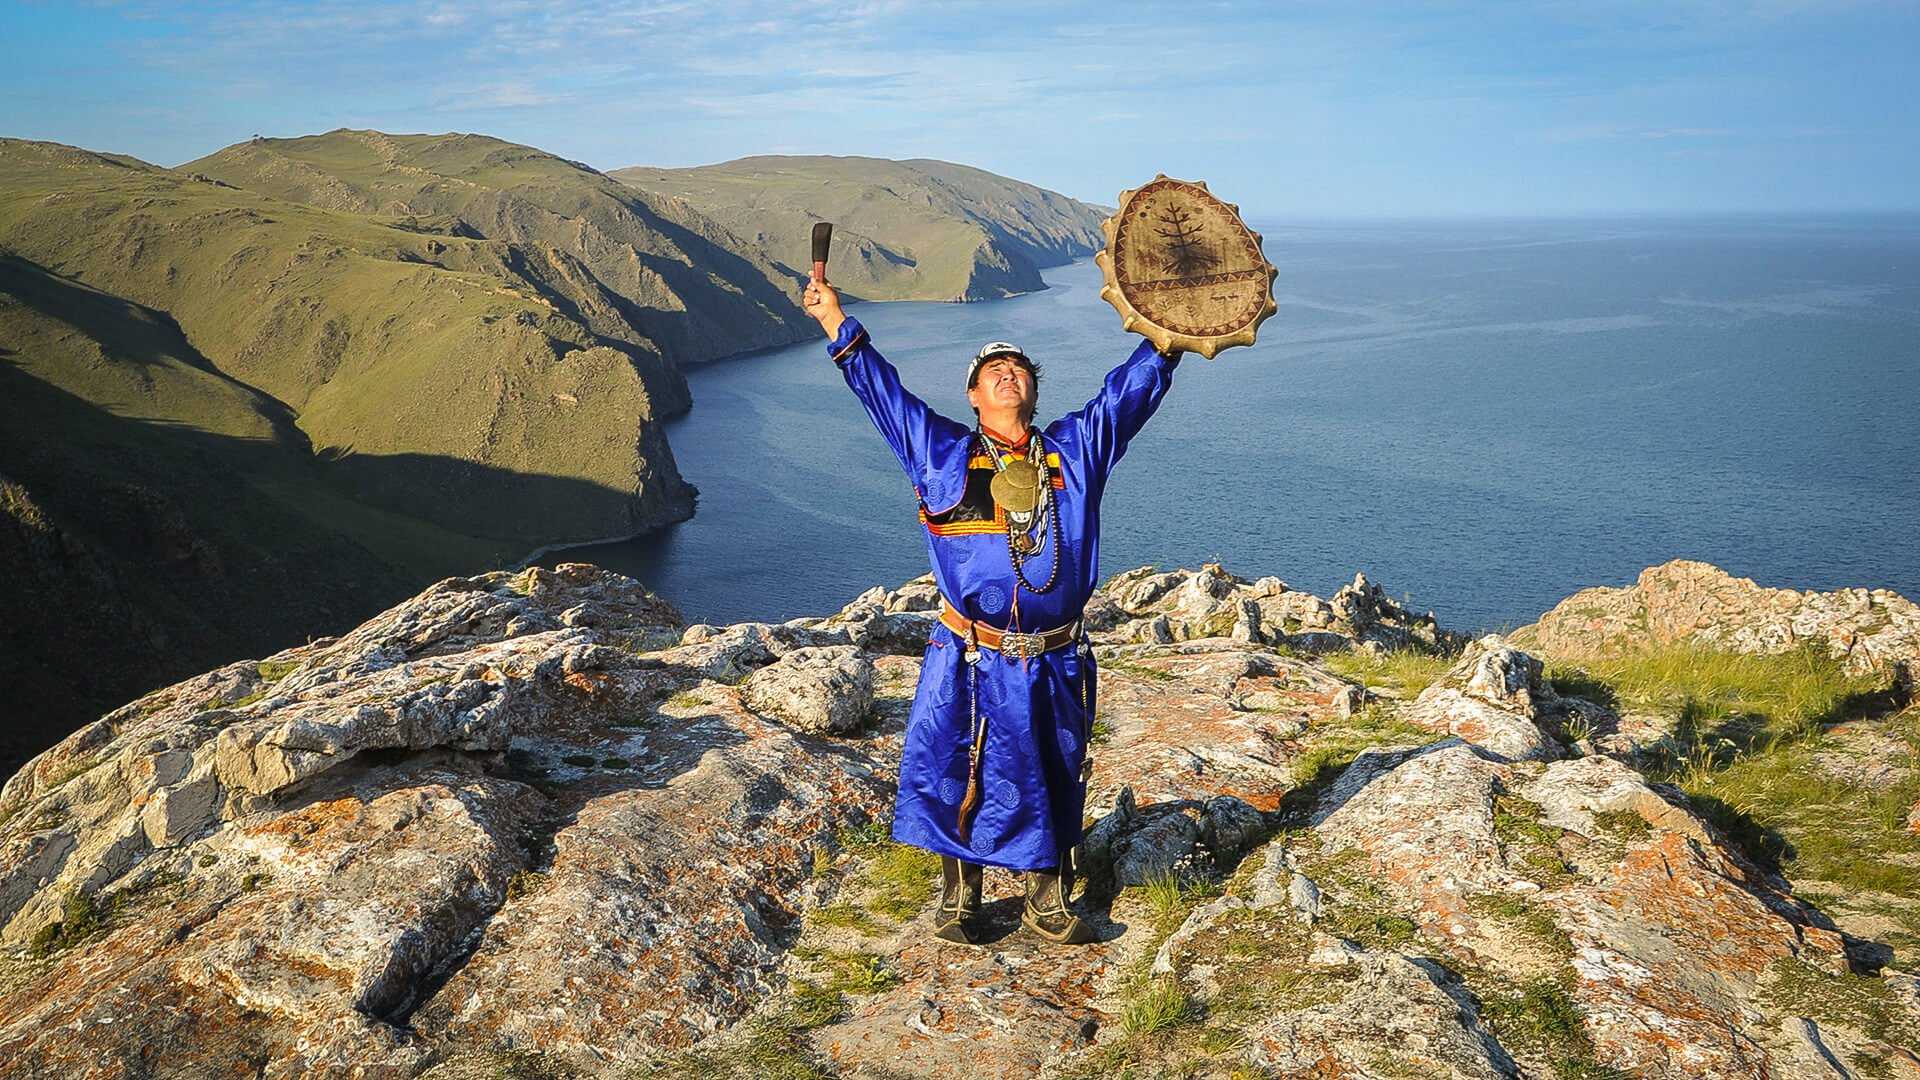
x=903 y=880
x=849 y=972
x=1861 y=1002
x=85 y=916
x=1530 y=844
x=81 y=918
x=1328 y=750
x=888 y=882
x=1170 y=899
x=1791 y=814
x=1539 y=1018
x=1405 y=671
x=771 y=1046
x=1358 y=906
x=529 y=1065
x=1743 y=702
x=1162 y=1006
x=846 y=916
x=154 y=704
x=863 y=837
x=1623 y=823
x=1529 y=919
x=275 y=670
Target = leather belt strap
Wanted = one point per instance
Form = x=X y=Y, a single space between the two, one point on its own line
x=1006 y=642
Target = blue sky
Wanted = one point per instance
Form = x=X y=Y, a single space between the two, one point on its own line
x=1292 y=109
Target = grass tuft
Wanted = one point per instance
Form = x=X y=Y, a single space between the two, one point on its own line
x=1406 y=671
x=1162 y=1006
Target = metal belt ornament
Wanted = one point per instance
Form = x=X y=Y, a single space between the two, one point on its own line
x=1183 y=270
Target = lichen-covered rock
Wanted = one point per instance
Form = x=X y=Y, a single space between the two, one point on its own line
x=1868 y=630
x=1392 y=1010
x=1632 y=884
x=1145 y=605
x=532 y=812
x=820 y=690
x=1492 y=697
x=290 y=868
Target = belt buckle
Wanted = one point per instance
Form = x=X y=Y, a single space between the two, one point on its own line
x=1022 y=646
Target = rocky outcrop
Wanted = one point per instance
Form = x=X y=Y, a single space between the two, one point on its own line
x=531 y=820
x=819 y=690
x=1868 y=630
x=1148 y=605
x=1492 y=697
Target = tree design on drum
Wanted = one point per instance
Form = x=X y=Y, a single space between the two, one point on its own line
x=1186 y=254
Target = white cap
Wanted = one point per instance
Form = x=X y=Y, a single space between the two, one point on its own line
x=990 y=350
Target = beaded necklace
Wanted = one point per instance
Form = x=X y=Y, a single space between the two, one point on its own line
x=1047 y=510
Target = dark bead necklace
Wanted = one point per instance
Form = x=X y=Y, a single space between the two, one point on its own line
x=1050 y=508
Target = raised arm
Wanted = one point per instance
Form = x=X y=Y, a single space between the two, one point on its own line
x=911 y=429
x=1130 y=395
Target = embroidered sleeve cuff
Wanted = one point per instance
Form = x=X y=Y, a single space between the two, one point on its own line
x=850 y=336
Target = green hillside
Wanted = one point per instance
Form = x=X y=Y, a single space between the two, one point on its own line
x=630 y=265
x=229 y=422
x=442 y=384
x=903 y=230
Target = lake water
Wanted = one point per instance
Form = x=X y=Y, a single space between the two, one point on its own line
x=1483 y=417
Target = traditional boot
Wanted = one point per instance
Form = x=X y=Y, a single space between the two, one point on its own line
x=1046 y=912
x=959 y=916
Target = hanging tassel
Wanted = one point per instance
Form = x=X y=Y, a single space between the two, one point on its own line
x=963 y=828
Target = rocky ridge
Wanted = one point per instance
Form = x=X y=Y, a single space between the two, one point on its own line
x=903 y=230
x=1696 y=602
x=531 y=824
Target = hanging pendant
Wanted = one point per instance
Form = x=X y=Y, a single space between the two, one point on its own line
x=1017 y=487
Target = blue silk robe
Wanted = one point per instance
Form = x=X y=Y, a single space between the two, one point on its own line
x=1031 y=798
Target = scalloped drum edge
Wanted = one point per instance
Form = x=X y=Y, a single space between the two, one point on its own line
x=1164 y=339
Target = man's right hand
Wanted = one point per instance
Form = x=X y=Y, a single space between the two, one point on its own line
x=822 y=302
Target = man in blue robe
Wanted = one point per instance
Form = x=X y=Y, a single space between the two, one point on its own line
x=992 y=769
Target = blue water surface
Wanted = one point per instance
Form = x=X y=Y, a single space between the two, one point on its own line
x=1483 y=417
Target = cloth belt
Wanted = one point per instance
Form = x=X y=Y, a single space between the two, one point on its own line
x=1006 y=642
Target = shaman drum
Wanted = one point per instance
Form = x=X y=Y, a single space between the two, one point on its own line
x=1184 y=270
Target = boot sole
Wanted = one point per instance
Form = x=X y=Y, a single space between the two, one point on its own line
x=956 y=933
x=1067 y=937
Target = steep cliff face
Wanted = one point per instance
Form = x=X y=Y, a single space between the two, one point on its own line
x=532 y=825
x=903 y=230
